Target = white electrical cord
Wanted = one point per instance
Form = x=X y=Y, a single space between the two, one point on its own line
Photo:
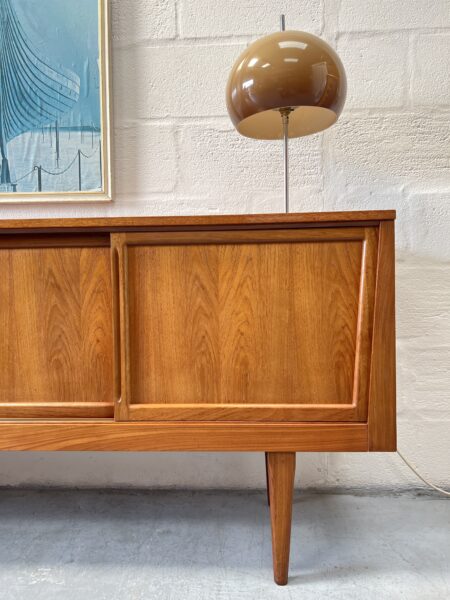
x=414 y=470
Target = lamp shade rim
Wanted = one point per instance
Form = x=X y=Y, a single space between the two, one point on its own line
x=303 y=121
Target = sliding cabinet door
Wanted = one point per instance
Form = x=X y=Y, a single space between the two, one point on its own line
x=56 y=350
x=271 y=325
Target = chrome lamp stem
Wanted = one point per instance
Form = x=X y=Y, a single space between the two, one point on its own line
x=285 y=118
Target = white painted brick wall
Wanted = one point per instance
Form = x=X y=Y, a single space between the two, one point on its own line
x=192 y=82
x=177 y=153
x=250 y=165
x=216 y=18
x=375 y=66
x=145 y=171
x=431 y=75
x=137 y=21
x=383 y=148
x=382 y=15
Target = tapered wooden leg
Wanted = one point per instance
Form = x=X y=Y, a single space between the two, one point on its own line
x=281 y=470
x=267 y=479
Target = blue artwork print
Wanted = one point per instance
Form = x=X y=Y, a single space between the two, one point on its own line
x=50 y=117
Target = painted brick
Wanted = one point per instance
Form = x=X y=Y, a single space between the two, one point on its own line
x=431 y=80
x=233 y=204
x=135 y=21
x=216 y=18
x=383 y=15
x=185 y=81
x=375 y=67
x=428 y=218
x=127 y=92
x=410 y=149
x=216 y=161
x=138 y=167
x=423 y=367
x=423 y=307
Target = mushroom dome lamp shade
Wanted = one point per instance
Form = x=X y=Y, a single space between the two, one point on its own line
x=289 y=72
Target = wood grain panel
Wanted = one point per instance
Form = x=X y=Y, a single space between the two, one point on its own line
x=247 y=236
x=57 y=410
x=242 y=412
x=382 y=400
x=365 y=324
x=56 y=323
x=288 y=322
x=248 y=318
x=92 y=435
x=173 y=303
x=261 y=323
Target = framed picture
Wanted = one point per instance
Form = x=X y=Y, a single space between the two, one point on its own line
x=55 y=101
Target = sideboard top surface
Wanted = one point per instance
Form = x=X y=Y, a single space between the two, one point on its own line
x=115 y=223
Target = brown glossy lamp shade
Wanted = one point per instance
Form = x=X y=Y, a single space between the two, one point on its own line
x=288 y=69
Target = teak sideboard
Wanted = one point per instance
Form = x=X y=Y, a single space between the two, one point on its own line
x=271 y=333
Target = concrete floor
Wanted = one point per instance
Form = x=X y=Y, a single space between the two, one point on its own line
x=105 y=545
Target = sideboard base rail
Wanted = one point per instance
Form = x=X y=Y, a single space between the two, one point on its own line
x=108 y=435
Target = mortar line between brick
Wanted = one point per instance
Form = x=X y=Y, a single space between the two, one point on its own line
x=233 y=39
x=188 y=42
x=167 y=120
x=418 y=30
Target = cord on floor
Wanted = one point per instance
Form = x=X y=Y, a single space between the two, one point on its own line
x=414 y=470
